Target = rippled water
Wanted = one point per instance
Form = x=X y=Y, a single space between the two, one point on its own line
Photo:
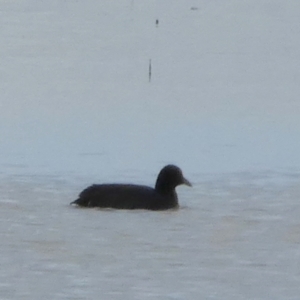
x=77 y=107
x=236 y=236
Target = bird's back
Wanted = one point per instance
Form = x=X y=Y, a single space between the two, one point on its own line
x=125 y=196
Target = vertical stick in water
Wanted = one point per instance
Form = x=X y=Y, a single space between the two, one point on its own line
x=150 y=70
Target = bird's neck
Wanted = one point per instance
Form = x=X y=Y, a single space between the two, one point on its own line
x=164 y=189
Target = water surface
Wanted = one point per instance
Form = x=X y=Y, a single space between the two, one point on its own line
x=77 y=108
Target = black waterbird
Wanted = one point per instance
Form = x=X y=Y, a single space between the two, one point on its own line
x=130 y=196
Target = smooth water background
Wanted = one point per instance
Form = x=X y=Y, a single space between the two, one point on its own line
x=77 y=107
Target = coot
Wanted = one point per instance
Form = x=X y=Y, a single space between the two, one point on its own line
x=129 y=196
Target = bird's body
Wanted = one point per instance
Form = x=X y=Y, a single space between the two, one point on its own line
x=125 y=196
x=130 y=196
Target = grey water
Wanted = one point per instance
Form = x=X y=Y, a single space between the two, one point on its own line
x=234 y=237
x=77 y=108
